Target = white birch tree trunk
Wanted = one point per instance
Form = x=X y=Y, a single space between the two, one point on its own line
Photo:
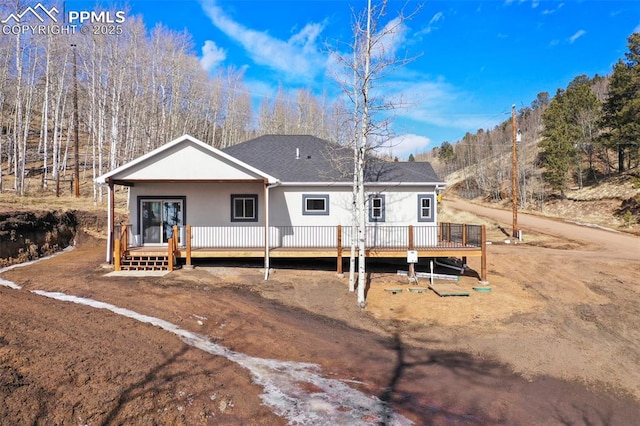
x=362 y=229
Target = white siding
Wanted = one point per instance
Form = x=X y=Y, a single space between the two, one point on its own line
x=207 y=204
x=401 y=206
x=185 y=162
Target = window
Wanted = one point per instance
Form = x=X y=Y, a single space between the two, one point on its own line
x=316 y=204
x=376 y=208
x=425 y=207
x=244 y=208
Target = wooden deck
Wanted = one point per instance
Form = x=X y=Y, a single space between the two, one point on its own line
x=449 y=244
x=212 y=252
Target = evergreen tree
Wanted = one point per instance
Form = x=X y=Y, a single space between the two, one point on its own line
x=557 y=143
x=411 y=157
x=621 y=110
x=446 y=153
x=583 y=114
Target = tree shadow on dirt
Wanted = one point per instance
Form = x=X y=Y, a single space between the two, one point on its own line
x=439 y=386
x=410 y=389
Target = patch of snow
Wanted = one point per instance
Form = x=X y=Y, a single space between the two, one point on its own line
x=336 y=403
x=10 y=284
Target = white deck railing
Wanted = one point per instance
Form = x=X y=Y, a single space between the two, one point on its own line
x=377 y=237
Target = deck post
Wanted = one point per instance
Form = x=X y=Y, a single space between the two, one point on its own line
x=412 y=246
x=173 y=244
x=339 y=259
x=483 y=257
x=125 y=237
x=170 y=254
x=464 y=234
x=188 y=245
x=116 y=258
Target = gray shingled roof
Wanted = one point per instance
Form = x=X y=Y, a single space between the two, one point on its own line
x=321 y=161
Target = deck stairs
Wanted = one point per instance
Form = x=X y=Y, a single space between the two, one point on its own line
x=144 y=262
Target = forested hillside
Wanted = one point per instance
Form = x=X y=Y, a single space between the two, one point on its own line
x=583 y=135
x=134 y=92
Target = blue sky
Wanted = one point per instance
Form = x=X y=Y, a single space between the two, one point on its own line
x=474 y=58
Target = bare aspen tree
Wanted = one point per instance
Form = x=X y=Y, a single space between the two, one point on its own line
x=135 y=92
x=5 y=50
x=372 y=59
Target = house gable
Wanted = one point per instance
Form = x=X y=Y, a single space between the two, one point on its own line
x=185 y=159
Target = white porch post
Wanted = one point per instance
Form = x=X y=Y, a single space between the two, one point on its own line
x=267 y=236
x=110 y=220
x=266 y=230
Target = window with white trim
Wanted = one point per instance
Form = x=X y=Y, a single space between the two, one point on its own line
x=377 y=208
x=315 y=204
x=425 y=207
x=244 y=208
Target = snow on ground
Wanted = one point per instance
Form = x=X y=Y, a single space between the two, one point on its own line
x=283 y=381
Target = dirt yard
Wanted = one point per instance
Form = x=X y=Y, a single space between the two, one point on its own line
x=554 y=342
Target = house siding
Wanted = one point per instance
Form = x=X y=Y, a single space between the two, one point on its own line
x=186 y=162
x=400 y=205
x=208 y=204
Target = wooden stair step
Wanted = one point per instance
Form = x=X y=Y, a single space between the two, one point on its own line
x=132 y=262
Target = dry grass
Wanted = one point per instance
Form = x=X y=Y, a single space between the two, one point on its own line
x=619 y=187
x=39 y=199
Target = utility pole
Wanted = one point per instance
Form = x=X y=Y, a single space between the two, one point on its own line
x=514 y=171
x=76 y=176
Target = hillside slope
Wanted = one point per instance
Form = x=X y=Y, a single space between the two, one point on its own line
x=613 y=202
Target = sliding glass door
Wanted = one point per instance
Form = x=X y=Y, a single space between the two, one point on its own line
x=157 y=218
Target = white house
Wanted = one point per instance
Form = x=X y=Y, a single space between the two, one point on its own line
x=273 y=195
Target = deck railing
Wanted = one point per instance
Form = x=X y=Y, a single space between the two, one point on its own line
x=377 y=237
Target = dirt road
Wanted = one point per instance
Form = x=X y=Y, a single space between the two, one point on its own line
x=607 y=243
x=555 y=342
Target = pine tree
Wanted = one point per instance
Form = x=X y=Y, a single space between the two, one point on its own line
x=557 y=143
x=621 y=111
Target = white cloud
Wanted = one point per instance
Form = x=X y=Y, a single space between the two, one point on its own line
x=576 y=36
x=403 y=145
x=212 y=55
x=551 y=11
x=297 y=58
x=431 y=26
x=437 y=108
x=438 y=16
